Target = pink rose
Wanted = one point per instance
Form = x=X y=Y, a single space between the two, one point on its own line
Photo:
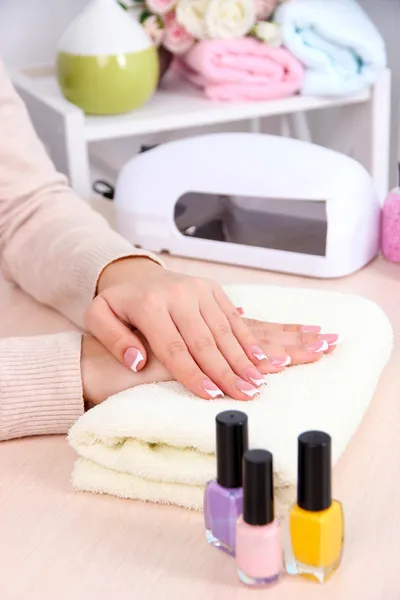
x=265 y=8
x=176 y=39
x=160 y=7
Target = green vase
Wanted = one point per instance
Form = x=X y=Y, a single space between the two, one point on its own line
x=106 y=63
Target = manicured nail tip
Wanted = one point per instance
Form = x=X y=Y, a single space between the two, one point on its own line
x=260 y=356
x=214 y=393
x=137 y=361
x=317 y=348
x=323 y=348
x=250 y=393
x=257 y=382
x=333 y=339
x=280 y=362
x=310 y=329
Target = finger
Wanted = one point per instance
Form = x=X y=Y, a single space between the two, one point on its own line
x=203 y=346
x=245 y=335
x=172 y=350
x=281 y=337
x=226 y=342
x=268 y=326
x=115 y=336
x=304 y=341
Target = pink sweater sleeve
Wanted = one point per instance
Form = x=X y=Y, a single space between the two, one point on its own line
x=54 y=246
x=40 y=384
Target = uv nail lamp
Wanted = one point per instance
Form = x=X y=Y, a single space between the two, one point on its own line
x=253 y=200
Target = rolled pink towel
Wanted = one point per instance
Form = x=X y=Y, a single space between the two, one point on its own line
x=242 y=69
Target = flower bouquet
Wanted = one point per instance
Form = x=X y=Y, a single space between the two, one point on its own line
x=176 y=25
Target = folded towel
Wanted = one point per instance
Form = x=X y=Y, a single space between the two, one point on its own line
x=242 y=69
x=336 y=41
x=157 y=442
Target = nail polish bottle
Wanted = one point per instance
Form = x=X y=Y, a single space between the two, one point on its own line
x=259 y=554
x=316 y=522
x=223 y=497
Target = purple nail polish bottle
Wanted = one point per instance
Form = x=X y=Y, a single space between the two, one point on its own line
x=223 y=497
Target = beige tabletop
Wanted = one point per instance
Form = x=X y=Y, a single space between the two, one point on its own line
x=56 y=544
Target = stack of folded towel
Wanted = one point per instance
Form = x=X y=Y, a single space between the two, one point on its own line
x=242 y=69
x=330 y=48
x=336 y=41
x=157 y=442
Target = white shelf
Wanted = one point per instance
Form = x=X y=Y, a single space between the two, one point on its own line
x=67 y=131
x=176 y=106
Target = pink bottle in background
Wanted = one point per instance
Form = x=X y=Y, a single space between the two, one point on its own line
x=390 y=239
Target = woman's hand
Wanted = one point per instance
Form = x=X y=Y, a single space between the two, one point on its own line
x=193 y=329
x=103 y=375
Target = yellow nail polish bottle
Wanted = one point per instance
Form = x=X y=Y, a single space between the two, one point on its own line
x=316 y=524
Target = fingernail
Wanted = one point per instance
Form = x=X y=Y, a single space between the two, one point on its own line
x=246 y=388
x=316 y=347
x=258 y=353
x=212 y=390
x=279 y=361
x=132 y=358
x=310 y=329
x=255 y=376
x=332 y=339
x=240 y=310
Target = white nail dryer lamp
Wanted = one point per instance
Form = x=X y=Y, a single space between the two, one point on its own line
x=253 y=200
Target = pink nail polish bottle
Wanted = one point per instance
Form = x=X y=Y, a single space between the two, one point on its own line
x=259 y=553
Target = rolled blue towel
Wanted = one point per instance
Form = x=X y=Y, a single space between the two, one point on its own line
x=341 y=48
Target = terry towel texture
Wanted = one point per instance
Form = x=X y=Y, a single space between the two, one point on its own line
x=340 y=47
x=242 y=69
x=157 y=442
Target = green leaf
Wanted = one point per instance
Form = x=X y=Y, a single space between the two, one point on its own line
x=144 y=15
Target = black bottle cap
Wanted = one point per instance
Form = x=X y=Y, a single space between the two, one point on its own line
x=258 y=488
x=314 y=471
x=232 y=443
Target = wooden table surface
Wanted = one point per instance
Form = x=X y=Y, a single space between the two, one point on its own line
x=56 y=544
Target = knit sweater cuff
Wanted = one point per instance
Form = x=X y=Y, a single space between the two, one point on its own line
x=40 y=384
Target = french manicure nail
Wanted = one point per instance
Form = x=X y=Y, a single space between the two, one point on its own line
x=132 y=358
x=258 y=353
x=212 y=390
x=332 y=339
x=246 y=388
x=310 y=329
x=316 y=347
x=279 y=361
x=255 y=376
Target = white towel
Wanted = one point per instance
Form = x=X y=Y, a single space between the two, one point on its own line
x=340 y=47
x=157 y=442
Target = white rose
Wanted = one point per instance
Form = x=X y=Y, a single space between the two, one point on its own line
x=227 y=19
x=190 y=14
x=270 y=33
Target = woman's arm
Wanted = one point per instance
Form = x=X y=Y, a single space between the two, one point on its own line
x=44 y=381
x=52 y=244
x=40 y=384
